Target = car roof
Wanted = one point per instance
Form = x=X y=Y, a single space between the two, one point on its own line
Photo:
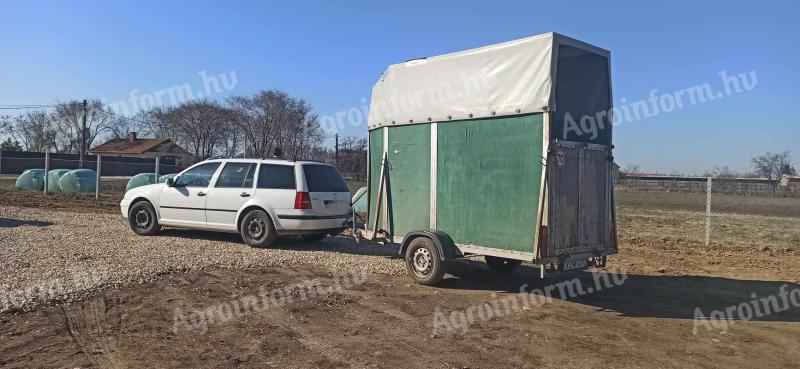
x=267 y=161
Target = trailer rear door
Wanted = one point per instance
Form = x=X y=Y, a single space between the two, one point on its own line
x=580 y=204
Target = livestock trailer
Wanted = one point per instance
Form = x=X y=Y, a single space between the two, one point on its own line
x=503 y=151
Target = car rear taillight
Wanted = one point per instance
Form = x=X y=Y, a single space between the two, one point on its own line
x=302 y=200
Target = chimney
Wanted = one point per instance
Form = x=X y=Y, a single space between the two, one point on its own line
x=131 y=136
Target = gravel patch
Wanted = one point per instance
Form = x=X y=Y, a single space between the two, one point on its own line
x=51 y=256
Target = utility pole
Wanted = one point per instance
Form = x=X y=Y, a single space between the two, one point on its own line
x=83 y=134
x=336 y=148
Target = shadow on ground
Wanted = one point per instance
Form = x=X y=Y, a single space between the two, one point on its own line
x=340 y=244
x=653 y=296
x=11 y=223
x=656 y=296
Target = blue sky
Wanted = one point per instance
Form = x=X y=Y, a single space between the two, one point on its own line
x=331 y=53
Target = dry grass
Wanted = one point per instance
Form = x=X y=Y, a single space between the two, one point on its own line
x=728 y=230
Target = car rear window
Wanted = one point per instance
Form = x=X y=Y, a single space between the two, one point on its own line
x=276 y=176
x=324 y=178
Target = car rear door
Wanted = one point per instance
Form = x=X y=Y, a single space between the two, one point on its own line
x=233 y=187
x=276 y=188
x=327 y=189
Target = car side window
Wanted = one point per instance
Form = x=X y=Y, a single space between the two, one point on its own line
x=276 y=176
x=199 y=176
x=236 y=175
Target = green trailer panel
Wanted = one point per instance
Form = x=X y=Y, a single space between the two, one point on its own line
x=488 y=180
x=410 y=177
x=375 y=157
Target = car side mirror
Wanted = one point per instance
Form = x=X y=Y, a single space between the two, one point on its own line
x=170 y=182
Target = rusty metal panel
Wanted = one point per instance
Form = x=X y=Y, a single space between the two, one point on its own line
x=579 y=209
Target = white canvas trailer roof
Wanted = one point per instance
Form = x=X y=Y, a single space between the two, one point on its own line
x=515 y=77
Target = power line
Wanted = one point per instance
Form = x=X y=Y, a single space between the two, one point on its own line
x=26 y=105
x=23 y=107
x=121 y=116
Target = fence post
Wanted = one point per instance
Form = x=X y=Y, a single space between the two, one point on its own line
x=46 y=171
x=1 y=161
x=97 y=181
x=708 y=211
x=158 y=165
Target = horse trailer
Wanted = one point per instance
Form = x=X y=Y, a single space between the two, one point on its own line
x=502 y=151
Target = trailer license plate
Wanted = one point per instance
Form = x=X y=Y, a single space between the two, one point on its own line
x=575 y=264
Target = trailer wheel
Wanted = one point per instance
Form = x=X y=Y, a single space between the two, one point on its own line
x=502 y=265
x=423 y=262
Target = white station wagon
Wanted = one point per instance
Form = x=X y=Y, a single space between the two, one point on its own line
x=260 y=199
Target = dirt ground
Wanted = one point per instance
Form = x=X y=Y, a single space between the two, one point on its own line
x=385 y=321
x=389 y=323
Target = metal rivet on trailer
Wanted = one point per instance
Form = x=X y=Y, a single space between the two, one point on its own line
x=429 y=119
x=411 y=121
x=470 y=115
x=392 y=122
x=449 y=117
x=518 y=110
x=493 y=113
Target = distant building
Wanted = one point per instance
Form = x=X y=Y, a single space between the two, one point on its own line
x=144 y=148
x=141 y=148
x=791 y=182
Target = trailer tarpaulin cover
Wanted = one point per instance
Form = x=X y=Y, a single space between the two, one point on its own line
x=515 y=77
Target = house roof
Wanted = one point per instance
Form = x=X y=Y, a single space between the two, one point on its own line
x=126 y=146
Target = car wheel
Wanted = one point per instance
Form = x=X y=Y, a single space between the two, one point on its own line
x=142 y=219
x=502 y=265
x=314 y=237
x=257 y=229
x=423 y=263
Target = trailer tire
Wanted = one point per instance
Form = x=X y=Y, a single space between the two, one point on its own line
x=502 y=265
x=423 y=262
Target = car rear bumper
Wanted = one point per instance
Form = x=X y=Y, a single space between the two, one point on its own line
x=301 y=223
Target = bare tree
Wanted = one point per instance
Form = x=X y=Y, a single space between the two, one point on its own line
x=773 y=166
x=34 y=130
x=271 y=119
x=10 y=145
x=69 y=120
x=722 y=172
x=200 y=126
x=353 y=155
x=630 y=169
x=119 y=126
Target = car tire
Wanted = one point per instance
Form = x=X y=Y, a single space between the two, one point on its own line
x=314 y=237
x=142 y=219
x=423 y=263
x=257 y=229
x=502 y=265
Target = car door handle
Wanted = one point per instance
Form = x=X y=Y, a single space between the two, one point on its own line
x=201 y=194
x=244 y=194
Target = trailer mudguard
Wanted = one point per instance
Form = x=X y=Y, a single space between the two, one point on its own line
x=447 y=248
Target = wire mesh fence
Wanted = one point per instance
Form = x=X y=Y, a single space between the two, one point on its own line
x=80 y=177
x=668 y=212
x=741 y=213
